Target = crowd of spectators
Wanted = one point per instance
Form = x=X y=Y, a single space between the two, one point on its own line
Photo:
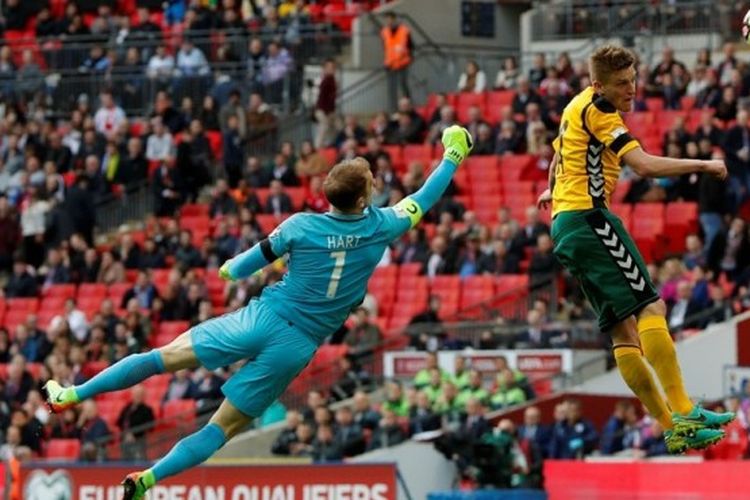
x=190 y=48
x=454 y=418
x=585 y=18
x=53 y=173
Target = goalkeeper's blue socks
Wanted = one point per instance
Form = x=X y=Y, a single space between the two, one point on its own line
x=125 y=373
x=191 y=451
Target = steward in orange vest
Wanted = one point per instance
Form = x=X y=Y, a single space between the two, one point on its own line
x=396 y=44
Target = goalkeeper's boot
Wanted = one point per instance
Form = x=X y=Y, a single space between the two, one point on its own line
x=137 y=484
x=703 y=438
x=700 y=418
x=59 y=398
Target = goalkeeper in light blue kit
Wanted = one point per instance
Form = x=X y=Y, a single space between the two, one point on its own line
x=331 y=258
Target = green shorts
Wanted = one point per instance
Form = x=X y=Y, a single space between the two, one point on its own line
x=594 y=246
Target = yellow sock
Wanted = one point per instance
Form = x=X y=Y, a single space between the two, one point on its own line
x=636 y=374
x=660 y=353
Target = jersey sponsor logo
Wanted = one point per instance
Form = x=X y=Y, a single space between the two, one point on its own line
x=622 y=257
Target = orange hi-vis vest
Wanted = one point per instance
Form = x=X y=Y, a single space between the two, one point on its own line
x=396 y=45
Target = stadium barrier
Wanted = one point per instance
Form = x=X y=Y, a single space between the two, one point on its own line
x=676 y=478
x=216 y=482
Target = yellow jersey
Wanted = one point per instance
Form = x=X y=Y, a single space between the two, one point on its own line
x=591 y=141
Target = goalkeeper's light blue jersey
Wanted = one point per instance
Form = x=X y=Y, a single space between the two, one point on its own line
x=331 y=258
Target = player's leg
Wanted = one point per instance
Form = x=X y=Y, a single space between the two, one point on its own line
x=284 y=352
x=659 y=349
x=635 y=372
x=127 y=372
x=193 y=450
x=214 y=343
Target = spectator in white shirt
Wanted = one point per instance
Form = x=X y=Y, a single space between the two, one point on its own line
x=109 y=117
x=159 y=145
x=191 y=61
x=278 y=63
x=161 y=64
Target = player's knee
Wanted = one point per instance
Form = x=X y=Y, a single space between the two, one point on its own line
x=625 y=332
x=656 y=308
x=179 y=354
x=230 y=420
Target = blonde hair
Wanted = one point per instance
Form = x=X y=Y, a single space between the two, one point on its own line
x=346 y=183
x=609 y=59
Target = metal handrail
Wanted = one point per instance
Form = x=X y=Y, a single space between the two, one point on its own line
x=667 y=16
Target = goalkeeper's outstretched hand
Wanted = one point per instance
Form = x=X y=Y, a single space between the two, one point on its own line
x=224 y=271
x=458 y=143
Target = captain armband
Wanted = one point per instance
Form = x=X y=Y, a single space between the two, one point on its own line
x=408 y=207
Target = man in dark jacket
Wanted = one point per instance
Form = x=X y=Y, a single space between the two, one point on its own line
x=573 y=437
x=21 y=283
x=135 y=420
x=288 y=435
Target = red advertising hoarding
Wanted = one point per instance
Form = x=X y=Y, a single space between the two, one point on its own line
x=712 y=480
x=217 y=482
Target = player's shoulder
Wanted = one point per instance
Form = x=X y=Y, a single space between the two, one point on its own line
x=296 y=222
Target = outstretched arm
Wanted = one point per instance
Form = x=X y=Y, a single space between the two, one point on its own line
x=458 y=144
x=647 y=165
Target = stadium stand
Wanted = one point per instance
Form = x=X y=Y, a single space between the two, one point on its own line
x=74 y=303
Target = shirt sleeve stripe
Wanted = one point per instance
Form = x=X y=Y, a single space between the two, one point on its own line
x=620 y=142
x=265 y=247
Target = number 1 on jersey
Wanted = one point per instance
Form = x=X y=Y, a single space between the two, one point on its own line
x=338 y=269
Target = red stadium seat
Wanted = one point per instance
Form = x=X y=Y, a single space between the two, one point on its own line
x=91 y=368
x=465 y=101
x=180 y=410
x=482 y=168
x=23 y=304
x=329 y=354
x=52 y=304
x=195 y=210
x=655 y=103
x=417 y=152
x=267 y=222
x=681 y=219
x=96 y=290
x=513 y=167
x=509 y=282
x=640 y=123
x=298 y=195
x=624 y=211
x=110 y=411
x=215 y=143
x=63 y=449
x=13 y=318
x=170 y=330
x=62 y=291
x=496 y=101
x=195 y=223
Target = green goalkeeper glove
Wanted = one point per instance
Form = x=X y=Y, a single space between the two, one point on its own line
x=457 y=142
x=224 y=271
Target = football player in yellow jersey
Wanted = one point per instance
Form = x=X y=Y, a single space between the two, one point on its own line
x=591 y=242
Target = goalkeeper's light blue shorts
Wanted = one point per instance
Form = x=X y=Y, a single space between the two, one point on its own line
x=275 y=349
